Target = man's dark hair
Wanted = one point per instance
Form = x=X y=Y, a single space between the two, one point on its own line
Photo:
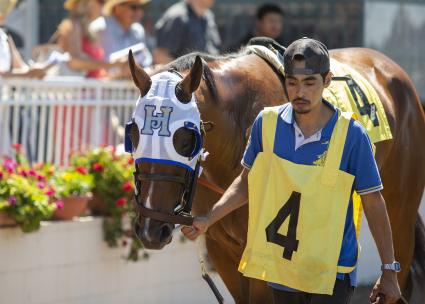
x=268 y=8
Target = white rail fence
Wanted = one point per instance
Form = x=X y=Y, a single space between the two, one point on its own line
x=54 y=118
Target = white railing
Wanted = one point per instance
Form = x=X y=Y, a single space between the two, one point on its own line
x=54 y=118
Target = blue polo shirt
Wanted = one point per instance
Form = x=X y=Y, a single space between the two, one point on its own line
x=357 y=160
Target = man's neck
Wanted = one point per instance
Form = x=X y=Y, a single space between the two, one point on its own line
x=197 y=7
x=315 y=120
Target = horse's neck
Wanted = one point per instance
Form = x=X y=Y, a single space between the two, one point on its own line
x=244 y=85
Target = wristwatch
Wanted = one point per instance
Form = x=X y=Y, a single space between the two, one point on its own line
x=394 y=266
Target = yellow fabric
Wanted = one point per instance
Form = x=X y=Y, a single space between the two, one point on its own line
x=325 y=193
x=339 y=95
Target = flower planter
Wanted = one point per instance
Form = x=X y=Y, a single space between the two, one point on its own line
x=72 y=206
x=97 y=205
x=6 y=221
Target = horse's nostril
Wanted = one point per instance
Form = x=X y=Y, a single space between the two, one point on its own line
x=165 y=233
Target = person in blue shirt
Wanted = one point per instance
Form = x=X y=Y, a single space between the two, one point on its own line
x=303 y=131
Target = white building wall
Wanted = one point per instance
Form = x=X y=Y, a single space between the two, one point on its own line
x=69 y=263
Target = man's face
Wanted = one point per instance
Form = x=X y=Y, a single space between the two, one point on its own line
x=128 y=12
x=270 y=25
x=305 y=91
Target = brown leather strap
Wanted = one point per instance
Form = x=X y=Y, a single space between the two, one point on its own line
x=202 y=181
x=185 y=220
x=160 y=178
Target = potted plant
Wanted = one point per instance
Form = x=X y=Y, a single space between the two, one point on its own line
x=73 y=189
x=23 y=201
x=112 y=193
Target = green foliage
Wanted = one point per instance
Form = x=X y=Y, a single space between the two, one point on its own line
x=72 y=183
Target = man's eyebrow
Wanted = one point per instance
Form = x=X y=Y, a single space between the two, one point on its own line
x=309 y=78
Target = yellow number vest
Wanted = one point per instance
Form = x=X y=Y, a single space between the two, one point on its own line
x=297 y=214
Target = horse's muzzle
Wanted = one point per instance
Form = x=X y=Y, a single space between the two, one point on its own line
x=154 y=234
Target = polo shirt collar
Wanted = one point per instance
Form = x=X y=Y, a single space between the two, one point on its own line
x=288 y=116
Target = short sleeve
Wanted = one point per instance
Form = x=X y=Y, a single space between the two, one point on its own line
x=170 y=34
x=254 y=145
x=362 y=162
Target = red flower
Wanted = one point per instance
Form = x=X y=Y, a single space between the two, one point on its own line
x=41 y=178
x=127 y=186
x=121 y=201
x=81 y=170
x=130 y=161
x=17 y=147
x=1 y=175
x=98 y=167
x=23 y=173
x=32 y=172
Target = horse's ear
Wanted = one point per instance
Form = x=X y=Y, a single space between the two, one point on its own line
x=191 y=82
x=140 y=77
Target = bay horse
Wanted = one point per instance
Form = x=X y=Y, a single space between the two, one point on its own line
x=230 y=91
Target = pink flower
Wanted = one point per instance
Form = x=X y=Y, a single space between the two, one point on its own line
x=41 y=185
x=81 y=170
x=127 y=187
x=32 y=172
x=59 y=204
x=121 y=201
x=12 y=200
x=98 y=167
x=1 y=175
x=10 y=164
x=17 y=147
x=50 y=192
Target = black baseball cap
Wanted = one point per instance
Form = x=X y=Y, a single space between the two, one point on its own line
x=314 y=52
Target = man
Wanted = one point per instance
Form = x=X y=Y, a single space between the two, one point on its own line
x=268 y=23
x=185 y=27
x=301 y=165
x=119 y=28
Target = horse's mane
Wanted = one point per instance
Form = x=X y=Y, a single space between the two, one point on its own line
x=242 y=114
x=186 y=62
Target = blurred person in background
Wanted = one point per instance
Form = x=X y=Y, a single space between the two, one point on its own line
x=185 y=27
x=120 y=28
x=73 y=36
x=11 y=62
x=268 y=23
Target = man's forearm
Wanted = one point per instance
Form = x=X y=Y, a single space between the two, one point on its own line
x=234 y=197
x=379 y=224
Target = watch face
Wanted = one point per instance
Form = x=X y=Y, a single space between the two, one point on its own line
x=397 y=266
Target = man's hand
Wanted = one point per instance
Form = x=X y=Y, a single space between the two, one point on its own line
x=35 y=72
x=200 y=226
x=388 y=286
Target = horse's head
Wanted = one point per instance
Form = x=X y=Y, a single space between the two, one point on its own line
x=165 y=140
